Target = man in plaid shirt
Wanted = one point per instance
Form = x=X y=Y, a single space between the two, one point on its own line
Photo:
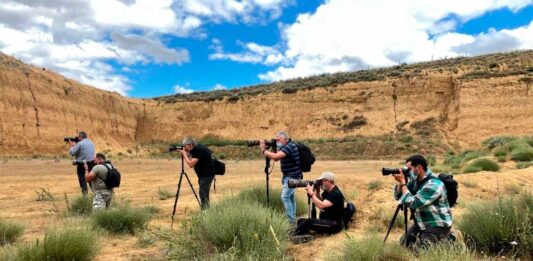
x=425 y=195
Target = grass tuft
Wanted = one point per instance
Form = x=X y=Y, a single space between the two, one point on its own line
x=522 y=154
x=164 y=194
x=9 y=232
x=122 y=219
x=258 y=194
x=79 y=206
x=368 y=249
x=375 y=184
x=44 y=194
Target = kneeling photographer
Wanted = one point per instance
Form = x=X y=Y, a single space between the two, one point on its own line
x=425 y=195
x=331 y=205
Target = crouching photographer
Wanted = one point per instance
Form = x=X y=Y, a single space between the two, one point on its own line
x=331 y=205
x=425 y=195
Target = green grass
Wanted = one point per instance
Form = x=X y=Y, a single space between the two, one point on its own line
x=79 y=206
x=522 y=154
x=375 y=184
x=249 y=231
x=523 y=165
x=164 y=194
x=446 y=251
x=9 y=231
x=370 y=248
x=480 y=165
x=62 y=244
x=493 y=226
x=258 y=194
x=122 y=219
x=382 y=217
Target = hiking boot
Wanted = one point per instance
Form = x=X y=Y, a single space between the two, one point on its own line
x=299 y=239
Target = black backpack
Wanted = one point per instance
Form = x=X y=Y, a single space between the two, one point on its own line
x=307 y=158
x=112 y=179
x=349 y=214
x=451 y=186
x=219 y=166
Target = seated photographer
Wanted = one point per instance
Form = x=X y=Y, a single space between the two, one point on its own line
x=425 y=195
x=331 y=205
x=96 y=176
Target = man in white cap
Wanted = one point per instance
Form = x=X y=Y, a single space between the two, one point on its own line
x=331 y=205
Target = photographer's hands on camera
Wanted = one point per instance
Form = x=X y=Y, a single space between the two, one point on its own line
x=401 y=179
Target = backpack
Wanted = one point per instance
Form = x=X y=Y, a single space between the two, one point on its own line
x=349 y=214
x=113 y=177
x=307 y=158
x=451 y=186
x=219 y=166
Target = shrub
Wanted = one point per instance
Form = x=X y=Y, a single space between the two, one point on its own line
x=258 y=194
x=9 y=232
x=470 y=155
x=500 y=152
x=523 y=165
x=374 y=185
x=369 y=248
x=62 y=244
x=522 y=154
x=80 y=206
x=493 y=226
x=121 y=220
x=163 y=194
x=482 y=164
x=250 y=232
x=446 y=251
x=289 y=90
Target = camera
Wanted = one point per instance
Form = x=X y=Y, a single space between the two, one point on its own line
x=298 y=183
x=67 y=139
x=389 y=171
x=268 y=144
x=174 y=148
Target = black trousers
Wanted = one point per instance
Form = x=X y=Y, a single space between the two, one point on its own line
x=323 y=226
x=205 y=186
x=80 y=171
x=421 y=238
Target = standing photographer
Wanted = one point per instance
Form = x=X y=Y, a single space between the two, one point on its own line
x=202 y=162
x=331 y=205
x=290 y=167
x=83 y=150
x=426 y=196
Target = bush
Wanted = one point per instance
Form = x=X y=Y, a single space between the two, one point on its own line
x=80 y=206
x=9 y=232
x=482 y=164
x=522 y=154
x=493 y=226
x=250 y=232
x=258 y=194
x=523 y=165
x=62 y=244
x=470 y=155
x=500 y=152
x=370 y=248
x=446 y=251
x=121 y=220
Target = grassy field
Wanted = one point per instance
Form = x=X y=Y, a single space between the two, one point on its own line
x=143 y=180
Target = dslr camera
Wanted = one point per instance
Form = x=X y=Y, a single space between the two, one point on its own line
x=68 y=139
x=174 y=148
x=269 y=144
x=298 y=183
x=389 y=171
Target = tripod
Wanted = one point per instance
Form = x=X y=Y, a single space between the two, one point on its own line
x=402 y=207
x=183 y=173
x=267 y=175
x=311 y=207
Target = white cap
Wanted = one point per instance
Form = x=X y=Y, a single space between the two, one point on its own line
x=327 y=175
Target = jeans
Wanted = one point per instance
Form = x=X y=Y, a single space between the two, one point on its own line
x=289 y=200
x=205 y=185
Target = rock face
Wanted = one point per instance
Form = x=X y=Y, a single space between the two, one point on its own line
x=38 y=108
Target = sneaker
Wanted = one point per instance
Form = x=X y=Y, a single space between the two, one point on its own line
x=299 y=239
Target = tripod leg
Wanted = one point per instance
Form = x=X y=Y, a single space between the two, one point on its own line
x=192 y=188
x=176 y=201
x=309 y=205
x=392 y=222
x=215 y=185
x=405 y=223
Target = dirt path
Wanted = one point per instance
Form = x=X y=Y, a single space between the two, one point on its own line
x=142 y=179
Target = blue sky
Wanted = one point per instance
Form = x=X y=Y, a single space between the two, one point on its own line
x=164 y=47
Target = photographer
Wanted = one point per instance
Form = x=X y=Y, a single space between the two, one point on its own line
x=331 y=205
x=202 y=162
x=426 y=196
x=290 y=167
x=96 y=176
x=83 y=150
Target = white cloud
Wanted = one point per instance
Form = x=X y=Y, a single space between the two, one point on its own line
x=182 y=90
x=248 y=11
x=348 y=35
x=253 y=53
x=219 y=86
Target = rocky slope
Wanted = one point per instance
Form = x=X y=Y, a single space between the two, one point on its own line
x=465 y=104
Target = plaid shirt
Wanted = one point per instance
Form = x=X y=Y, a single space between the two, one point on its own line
x=430 y=203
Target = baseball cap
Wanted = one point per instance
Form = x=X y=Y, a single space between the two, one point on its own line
x=326 y=175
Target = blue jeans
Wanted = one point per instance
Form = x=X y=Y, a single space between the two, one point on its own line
x=289 y=200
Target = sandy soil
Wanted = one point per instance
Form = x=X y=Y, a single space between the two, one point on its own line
x=142 y=178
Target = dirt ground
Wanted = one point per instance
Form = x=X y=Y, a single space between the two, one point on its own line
x=142 y=178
